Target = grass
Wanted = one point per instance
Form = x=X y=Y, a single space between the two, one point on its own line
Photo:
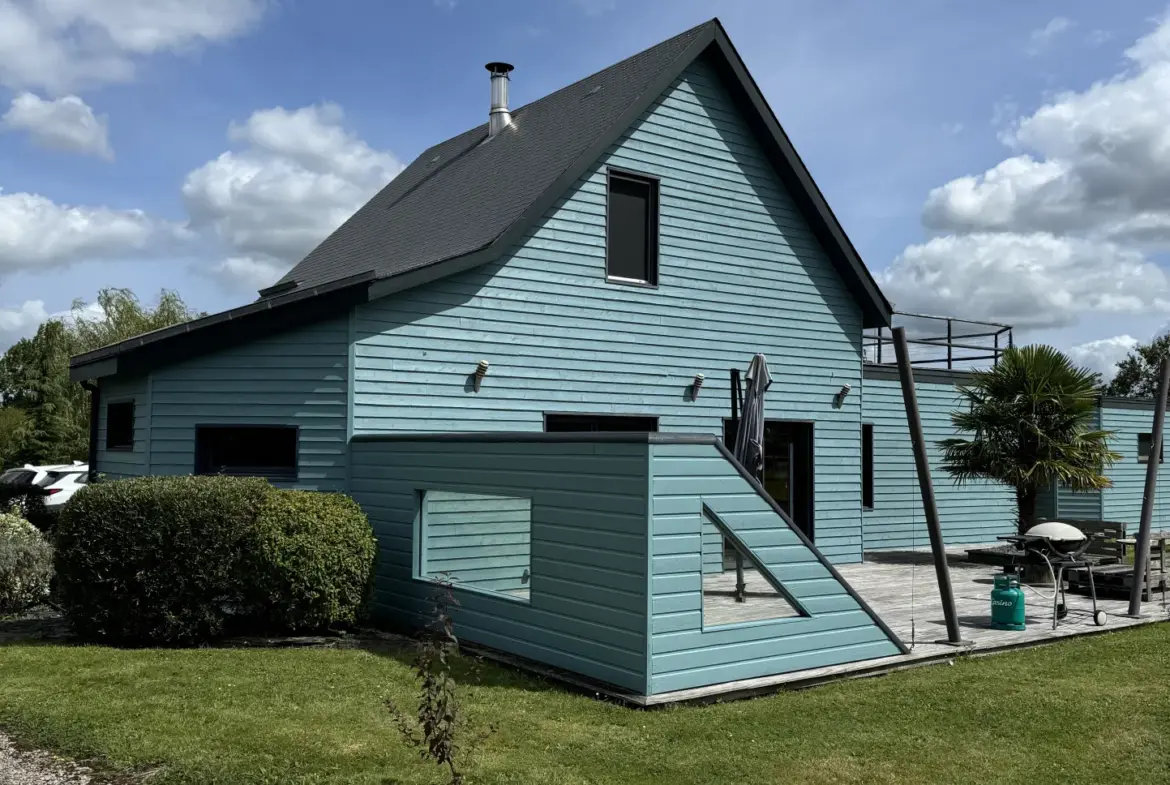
x=1094 y=710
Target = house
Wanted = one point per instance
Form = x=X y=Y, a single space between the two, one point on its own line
x=499 y=357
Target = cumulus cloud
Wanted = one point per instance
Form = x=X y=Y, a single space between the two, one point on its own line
x=293 y=178
x=1070 y=225
x=66 y=123
x=20 y=321
x=1095 y=162
x=1040 y=39
x=1033 y=280
x=1104 y=355
x=61 y=45
x=37 y=233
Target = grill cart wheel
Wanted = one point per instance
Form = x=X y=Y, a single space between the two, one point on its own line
x=1099 y=618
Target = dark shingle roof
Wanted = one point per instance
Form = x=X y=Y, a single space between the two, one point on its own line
x=459 y=196
x=465 y=201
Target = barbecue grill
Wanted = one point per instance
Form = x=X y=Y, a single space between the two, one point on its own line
x=1060 y=547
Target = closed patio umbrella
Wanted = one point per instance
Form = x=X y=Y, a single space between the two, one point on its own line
x=749 y=438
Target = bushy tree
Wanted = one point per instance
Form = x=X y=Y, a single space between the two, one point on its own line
x=123 y=316
x=1030 y=422
x=1138 y=374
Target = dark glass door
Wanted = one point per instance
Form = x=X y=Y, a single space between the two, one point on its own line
x=788 y=467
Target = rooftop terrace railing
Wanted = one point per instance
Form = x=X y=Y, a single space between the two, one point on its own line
x=945 y=341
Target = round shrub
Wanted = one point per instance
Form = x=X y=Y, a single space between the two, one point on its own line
x=156 y=560
x=310 y=560
x=176 y=560
x=26 y=565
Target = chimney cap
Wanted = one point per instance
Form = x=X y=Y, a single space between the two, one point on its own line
x=500 y=68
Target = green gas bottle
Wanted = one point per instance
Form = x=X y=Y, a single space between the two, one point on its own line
x=1007 y=603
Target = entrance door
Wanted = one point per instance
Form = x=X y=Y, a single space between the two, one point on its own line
x=788 y=467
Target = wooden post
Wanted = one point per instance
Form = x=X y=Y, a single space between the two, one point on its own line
x=1141 y=554
x=933 y=527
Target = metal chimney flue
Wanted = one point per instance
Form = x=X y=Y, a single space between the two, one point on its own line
x=499 y=117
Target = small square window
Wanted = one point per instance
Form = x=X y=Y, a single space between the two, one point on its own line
x=120 y=425
x=631 y=223
x=1145 y=441
x=247 y=451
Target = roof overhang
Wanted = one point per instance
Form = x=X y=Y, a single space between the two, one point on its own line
x=200 y=336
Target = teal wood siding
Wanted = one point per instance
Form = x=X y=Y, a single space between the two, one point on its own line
x=739 y=273
x=587 y=606
x=1078 y=506
x=118 y=464
x=683 y=653
x=481 y=540
x=975 y=512
x=293 y=378
x=1046 y=503
x=1123 y=502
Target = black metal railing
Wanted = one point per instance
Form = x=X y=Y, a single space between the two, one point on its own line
x=940 y=340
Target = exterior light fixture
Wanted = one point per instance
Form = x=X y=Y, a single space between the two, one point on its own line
x=839 y=398
x=480 y=372
x=695 y=385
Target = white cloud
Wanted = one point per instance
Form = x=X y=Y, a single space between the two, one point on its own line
x=20 y=322
x=1040 y=39
x=1103 y=355
x=1032 y=281
x=296 y=176
x=1069 y=228
x=62 y=124
x=61 y=45
x=1095 y=162
x=37 y=233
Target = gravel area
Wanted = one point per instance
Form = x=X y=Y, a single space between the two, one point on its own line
x=20 y=767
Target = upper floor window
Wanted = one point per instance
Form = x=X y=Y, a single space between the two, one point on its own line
x=120 y=425
x=631 y=223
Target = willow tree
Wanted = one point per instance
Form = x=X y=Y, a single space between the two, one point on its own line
x=1030 y=422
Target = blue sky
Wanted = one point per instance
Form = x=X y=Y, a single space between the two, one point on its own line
x=886 y=102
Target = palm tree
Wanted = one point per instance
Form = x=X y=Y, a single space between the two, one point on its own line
x=1030 y=422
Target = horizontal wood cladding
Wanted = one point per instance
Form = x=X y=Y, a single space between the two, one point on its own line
x=685 y=653
x=740 y=272
x=117 y=464
x=587 y=603
x=294 y=378
x=1123 y=502
x=974 y=512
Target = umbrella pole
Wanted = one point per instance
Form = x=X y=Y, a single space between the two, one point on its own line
x=933 y=527
x=1141 y=554
x=740 y=585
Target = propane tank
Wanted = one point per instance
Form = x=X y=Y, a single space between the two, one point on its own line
x=1007 y=603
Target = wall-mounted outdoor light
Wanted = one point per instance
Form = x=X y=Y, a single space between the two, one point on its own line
x=480 y=372
x=695 y=385
x=839 y=398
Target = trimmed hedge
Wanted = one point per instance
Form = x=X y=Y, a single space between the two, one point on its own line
x=310 y=560
x=26 y=565
x=176 y=560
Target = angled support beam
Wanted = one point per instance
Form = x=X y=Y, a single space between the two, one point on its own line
x=933 y=526
x=1141 y=554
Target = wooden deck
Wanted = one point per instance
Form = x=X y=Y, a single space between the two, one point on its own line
x=902 y=589
x=761 y=600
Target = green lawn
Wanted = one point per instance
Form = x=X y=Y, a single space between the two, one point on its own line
x=1095 y=710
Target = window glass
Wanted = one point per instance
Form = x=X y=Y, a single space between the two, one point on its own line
x=249 y=450
x=560 y=423
x=120 y=425
x=867 y=466
x=632 y=228
x=1144 y=442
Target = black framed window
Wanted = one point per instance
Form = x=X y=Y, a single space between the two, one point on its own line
x=120 y=425
x=562 y=423
x=1145 y=442
x=867 y=466
x=247 y=450
x=631 y=227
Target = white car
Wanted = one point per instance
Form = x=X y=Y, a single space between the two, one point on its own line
x=56 y=483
